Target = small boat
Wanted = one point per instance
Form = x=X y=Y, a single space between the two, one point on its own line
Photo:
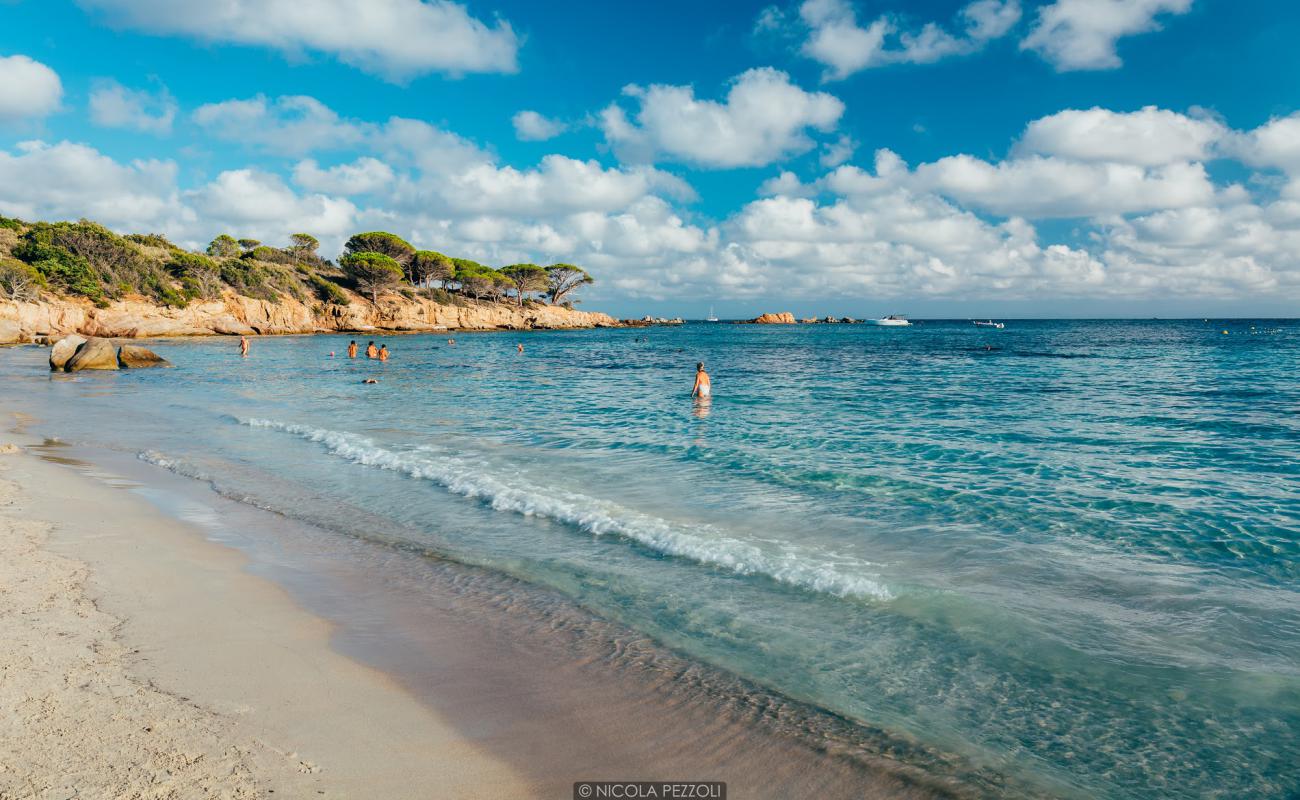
x=990 y=324
x=711 y=317
x=893 y=320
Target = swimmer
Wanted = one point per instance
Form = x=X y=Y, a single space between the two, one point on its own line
x=372 y=351
x=370 y=380
x=521 y=347
x=352 y=349
x=383 y=352
x=451 y=342
x=243 y=346
x=703 y=386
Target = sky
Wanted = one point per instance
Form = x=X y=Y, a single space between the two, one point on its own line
x=845 y=157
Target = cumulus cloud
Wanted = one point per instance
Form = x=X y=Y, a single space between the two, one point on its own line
x=763 y=119
x=837 y=152
x=533 y=127
x=1081 y=34
x=260 y=205
x=836 y=40
x=1149 y=137
x=289 y=125
x=70 y=181
x=1040 y=187
x=28 y=89
x=112 y=105
x=362 y=176
x=396 y=39
x=1276 y=144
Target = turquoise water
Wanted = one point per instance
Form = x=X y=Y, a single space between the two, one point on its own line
x=1067 y=551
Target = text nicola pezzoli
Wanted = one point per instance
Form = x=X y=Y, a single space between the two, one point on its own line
x=644 y=790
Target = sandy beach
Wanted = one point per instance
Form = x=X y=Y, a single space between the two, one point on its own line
x=138 y=660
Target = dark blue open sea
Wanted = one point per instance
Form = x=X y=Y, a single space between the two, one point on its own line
x=1067 y=551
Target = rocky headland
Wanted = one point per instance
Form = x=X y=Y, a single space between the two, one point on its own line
x=53 y=317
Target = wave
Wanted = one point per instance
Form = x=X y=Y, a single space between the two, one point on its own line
x=701 y=543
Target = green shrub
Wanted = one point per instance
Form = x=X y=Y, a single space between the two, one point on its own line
x=11 y=223
x=329 y=291
x=19 y=281
x=272 y=255
x=151 y=240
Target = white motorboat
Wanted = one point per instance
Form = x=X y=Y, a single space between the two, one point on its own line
x=893 y=320
x=989 y=324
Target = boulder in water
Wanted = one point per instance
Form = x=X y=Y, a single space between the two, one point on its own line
x=130 y=356
x=94 y=353
x=784 y=318
x=63 y=350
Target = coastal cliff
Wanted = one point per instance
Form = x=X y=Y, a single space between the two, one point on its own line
x=58 y=278
x=236 y=314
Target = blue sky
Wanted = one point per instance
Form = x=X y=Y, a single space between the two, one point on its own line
x=995 y=157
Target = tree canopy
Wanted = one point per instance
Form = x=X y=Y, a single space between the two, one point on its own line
x=428 y=266
x=224 y=246
x=527 y=278
x=303 y=243
x=372 y=272
x=562 y=279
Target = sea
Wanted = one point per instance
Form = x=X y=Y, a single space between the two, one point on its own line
x=1066 y=552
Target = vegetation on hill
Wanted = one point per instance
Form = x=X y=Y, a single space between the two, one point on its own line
x=86 y=259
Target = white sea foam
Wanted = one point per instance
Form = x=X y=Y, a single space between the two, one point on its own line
x=701 y=543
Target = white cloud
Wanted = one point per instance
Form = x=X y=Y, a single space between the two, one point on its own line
x=71 y=181
x=28 y=89
x=837 y=41
x=1039 y=186
x=558 y=185
x=881 y=237
x=837 y=152
x=396 y=39
x=112 y=105
x=260 y=205
x=1149 y=137
x=1275 y=144
x=362 y=176
x=533 y=127
x=290 y=125
x=764 y=118
x=1081 y=34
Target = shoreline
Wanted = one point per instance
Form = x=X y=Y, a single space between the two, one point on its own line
x=586 y=699
x=149 y=662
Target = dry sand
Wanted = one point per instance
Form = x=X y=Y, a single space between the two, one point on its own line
x=138 y=660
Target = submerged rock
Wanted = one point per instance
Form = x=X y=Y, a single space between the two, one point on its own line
x=130 y=356
x=94 y=353
x=63 y=350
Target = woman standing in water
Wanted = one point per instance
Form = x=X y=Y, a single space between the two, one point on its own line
x=703 y=386
x=243 y=346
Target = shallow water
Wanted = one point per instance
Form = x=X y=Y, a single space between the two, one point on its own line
x=1067 y=551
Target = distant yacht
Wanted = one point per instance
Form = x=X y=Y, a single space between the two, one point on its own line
x=711 y=317
x=892 y=320
x=990 y=324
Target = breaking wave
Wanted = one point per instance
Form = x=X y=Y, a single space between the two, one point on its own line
x=703 y=544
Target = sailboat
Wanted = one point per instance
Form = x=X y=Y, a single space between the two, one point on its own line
x=712 y=317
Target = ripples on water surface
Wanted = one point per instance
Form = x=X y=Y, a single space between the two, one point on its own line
x=1065 y=550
